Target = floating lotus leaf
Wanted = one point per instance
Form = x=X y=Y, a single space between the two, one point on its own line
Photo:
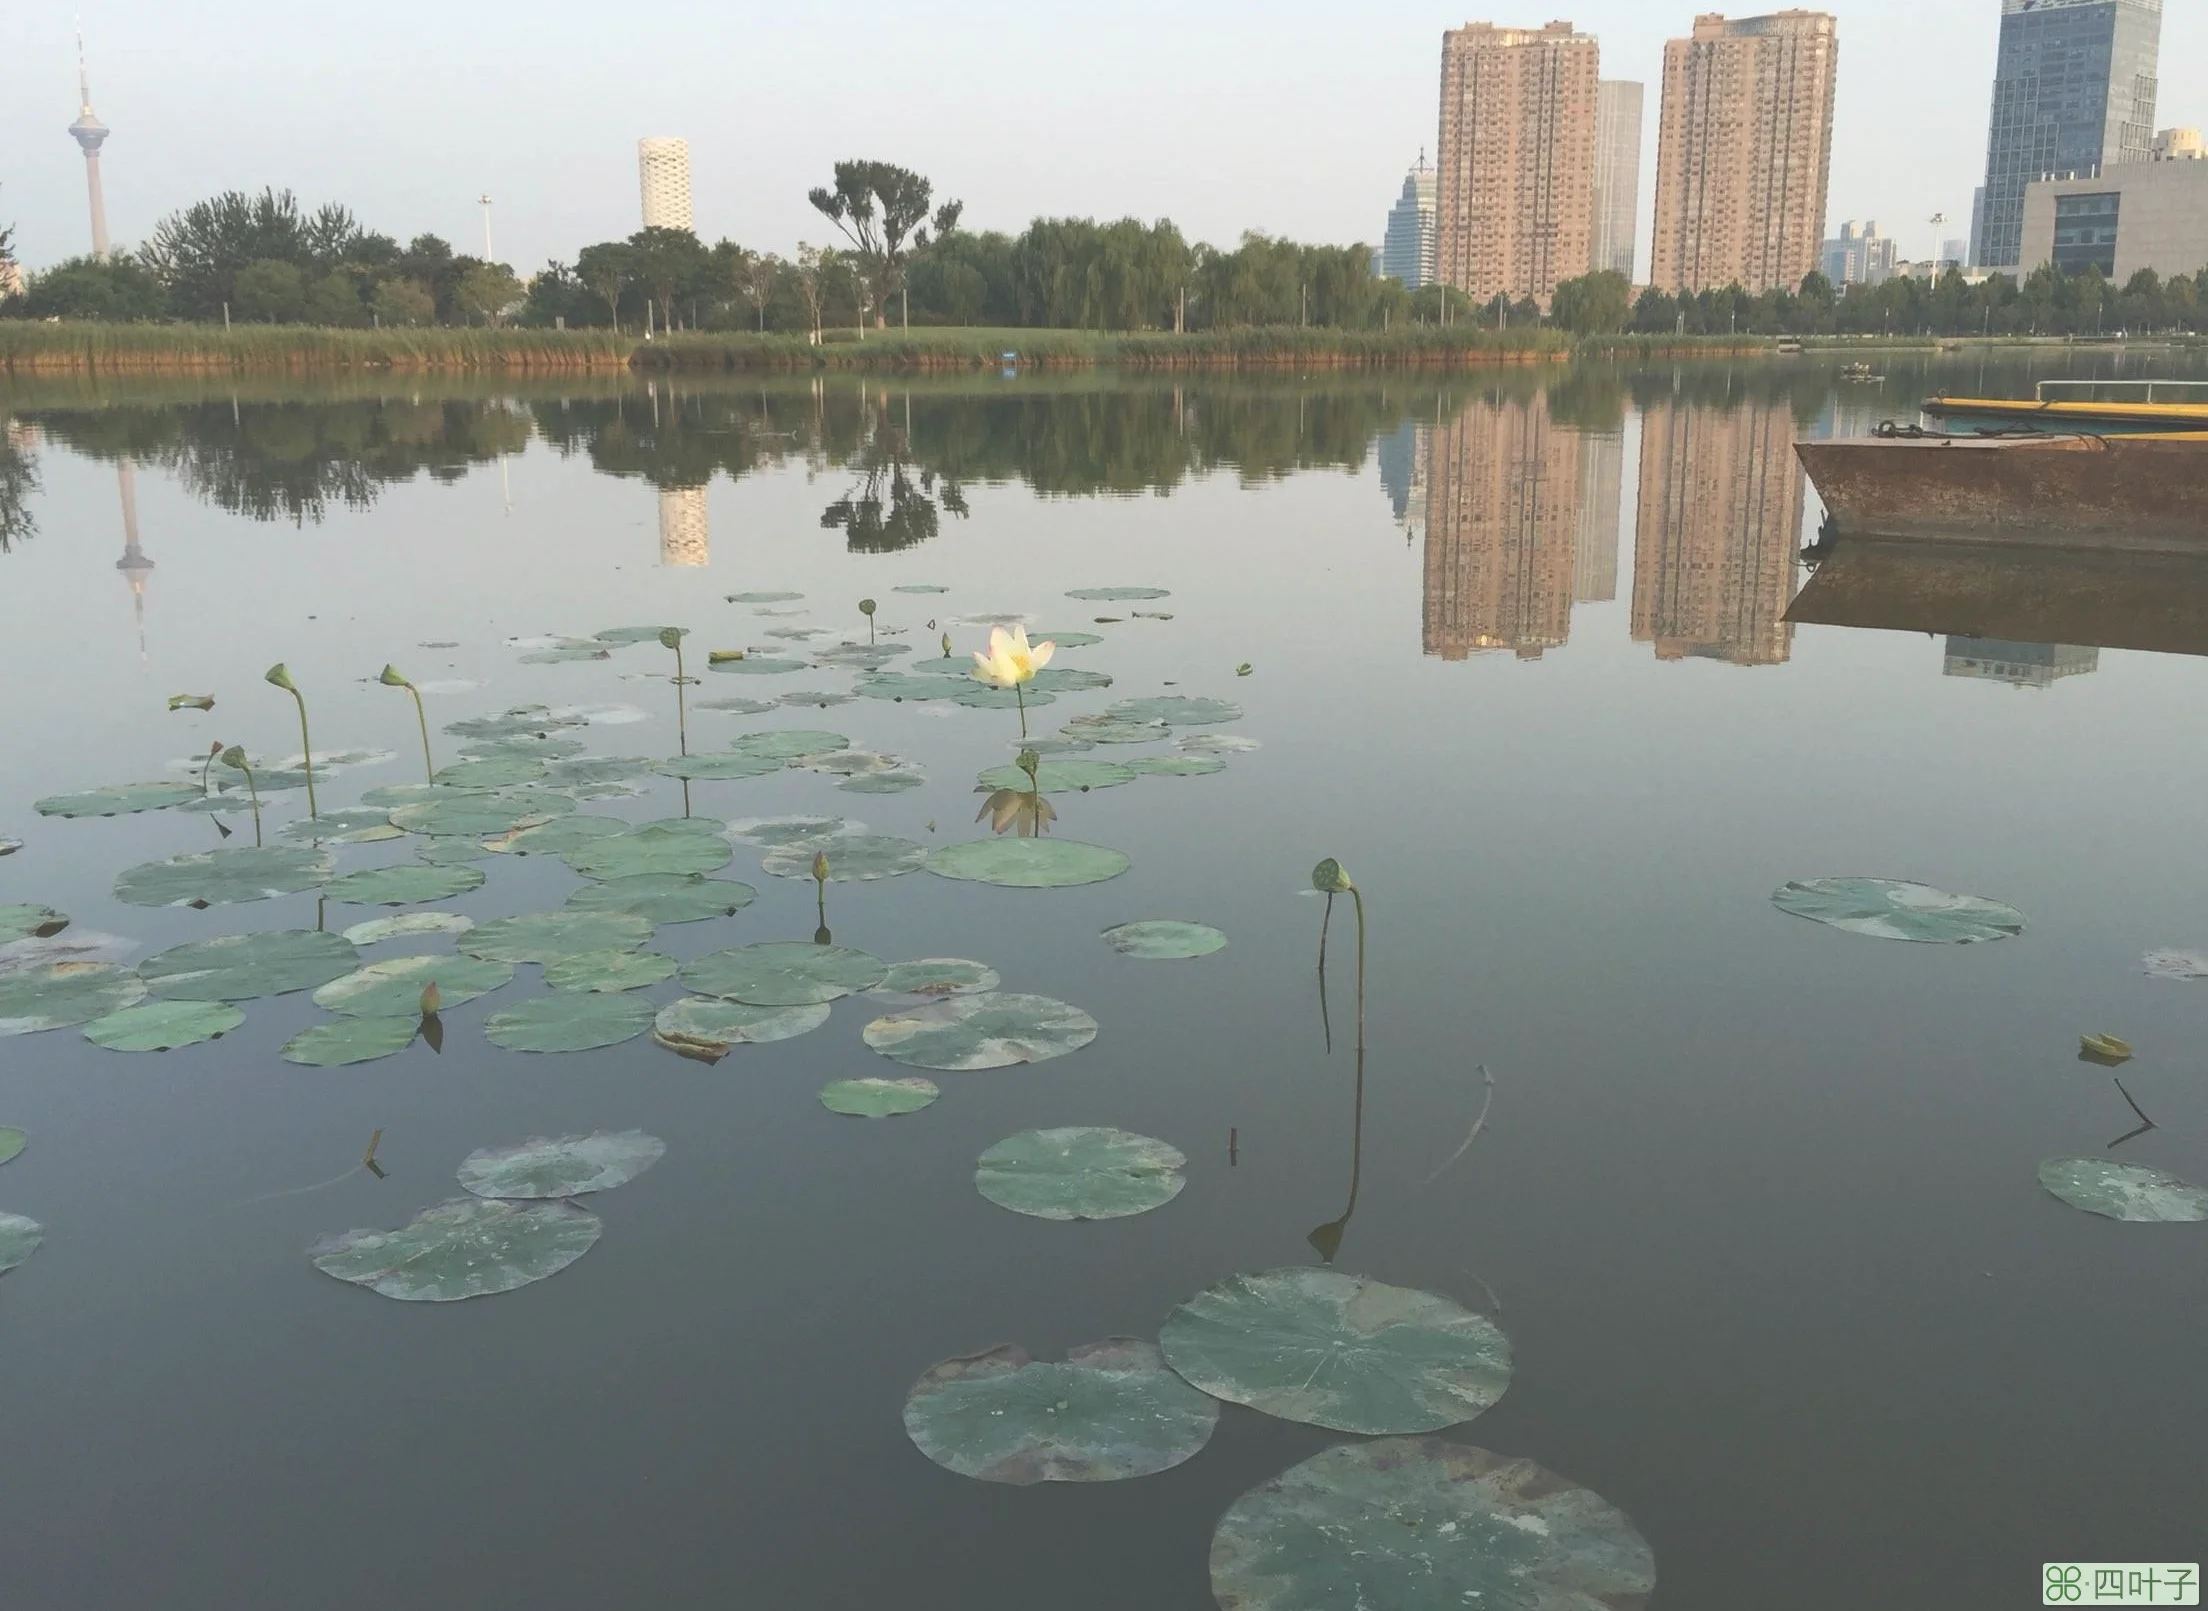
x=865 y=656
x=1073 y=776
x=784 y=973
x=498 y=772
x=622 y=637
x=757 y=665
x=117 y=800
x=513 y=723
x=393 y=987
x=540 y=747
x=549 y=936
x=482 y=816
x=705 y=1029
x=655 y=847
x=1421 y=1524
x=566 y=649
x=1175 y=710
x=1003 y=618
x=902 y=685
x=404 y=885
x=30 y=922
x=990 y=1030
x=896 y=782
x=9 y=845
x=225 y=877
x=408 y=924
x=1066 y=680
x=75 y=945
x=609 y=972
x=665 y=897
x=919 y=587
x=1080 y=1173
x=980 y=696
x=568 y=1167
x=559 y=836
x=774 y=832
x=2175 y=965
x=1339 y=1351
x=725 y=767
x=569 y=1021
x=877 y=1099
x=468 y=1248
x=852 y=859
x=738 y=707
x=1176 y=766
x=763 y=598
x=1111 y=1411
x=1215 y=744
x=1115 y=595
x=2129 y=1192
x=848 y=763
x=12 y=1143
x=1066 y=640
x=244 y=967
x=597 y=775
x=1028 y=863
x=1054 y=744
x=789 y=744
x=451 y=852
x=797 y=634
x=1164 y=940
x=163 y=1026
x=365 y=826
x=938 y=976
x=1890 y=909
x=342 y=1042
x=813 y=698
x=390 y=797
x=19 y=1239
x=1114 y=730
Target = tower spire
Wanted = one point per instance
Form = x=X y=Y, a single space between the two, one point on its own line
x=90 y=134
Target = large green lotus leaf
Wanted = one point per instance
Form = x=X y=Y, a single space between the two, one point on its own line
x=559 y=836
x=656 y=847
x=938 y=976
x=121 y=799
x=774 y=832
x=789 y=744
x=498 y=772
x=1117 y=595
x=393 y=795
x=163 y=1026
x=892 y=782
x=1339 y=1351
x=722 y=768
x=1066 y=640
x=12 y=1143
x=764 y=598
x=1111 y=1411
x=1175 y=710
x=980 y=696
x=19 y=1239
x=737 y=707
x=665 y=897
x=1028 y=863
x=1422 y=1524
x=852 y=858
x=784 y=973
x=569 y=1021
x=1176 y=766
x=1066 y=680
x=542 y=747
x=705 y=1029
x=903 y=685
x=813 y=698
x=607 y=972
x=407 y=925
x=468 y=1248
x=848 y=763
x=1114 y=730
x=756 y=665
x=471 y=815
x=1074 y=776
x=342 y=1042
x=244 y=967
x=878 y=1099
x=1216 y=744
x=1053 y=744
x=1164 y=940
x=2124 y=1191
x=567 y=1167
x=404 y=885
x=451 y=852
x=57 y=994
x=225 y=877
x=30 y=922
x=548 y=936
x=363 y=826
x=623 y=636
x=991 y=1030
x=1890 y=909
x=393 y=987
x=1080 y=1173
x=512 y=724
x=598 y=776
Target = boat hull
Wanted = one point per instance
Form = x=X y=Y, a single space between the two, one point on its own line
x=2060 y=416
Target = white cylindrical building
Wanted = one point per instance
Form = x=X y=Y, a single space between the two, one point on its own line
x=663 y=175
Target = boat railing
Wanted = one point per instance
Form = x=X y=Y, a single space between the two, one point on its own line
x=2123 y=391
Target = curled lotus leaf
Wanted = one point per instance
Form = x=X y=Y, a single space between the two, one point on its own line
x=2129 y=1192
x=393 y=987
x=548 y=936
x=569 y=1021
x=1082 y=1172
x=471 y=1247
x=904 y=685
x=938 y=976
x=980 y=696
x=784 y=973
x=655 y=847
x=225 y=877
x=878 y=1099
x=1423 y=1524
x=1164 y=940
x=404 y=885
x=1028 y=863
x=482 y=816
x=12 y=1143
x=852 y=858
x=117 y=800
x=559 y=836
x=407 y=925
x=55 y=995
x=567 y=1167
x=609 y=972
x=774 y=832
x=738 y=707
x=244 y=967
x=495 y=772
x=30 y=923
x=343 y=1042
x=790 y=744
x=757 y=665
x=1215 y=744
x=665 y=897
x=1176 y=710
x=1339 y=1351
x=705 y=1029
x=896 y=781
x=1117 y=595
x=992 y=1030
x=19 y=1239
x=1893 y=909
x=764 y=598
x=1074 y=775
x=726 y=767
x=362 y=826
x=163 y=1026
x=1176 y=766
x=1114 y=730
x=1108 y=1412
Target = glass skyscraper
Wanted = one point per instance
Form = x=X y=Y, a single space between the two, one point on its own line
x=2074 y=92
x=1407 y=251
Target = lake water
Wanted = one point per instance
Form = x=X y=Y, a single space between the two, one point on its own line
x=1756 y=1201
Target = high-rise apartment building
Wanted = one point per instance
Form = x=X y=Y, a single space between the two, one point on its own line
x=1515 y=186
x=1860 y=255
x=1407 y=250
x=1502 y=510
x=1744 y=152
x=1619 y=108
x=663 y=175
x=2074 y=92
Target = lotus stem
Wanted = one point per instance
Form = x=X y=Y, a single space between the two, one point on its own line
x=1019 y=692
x=1359 y=896
x=392 y=677
x=234 y=758
x=281 y=678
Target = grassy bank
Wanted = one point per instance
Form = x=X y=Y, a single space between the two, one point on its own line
x=180 y=349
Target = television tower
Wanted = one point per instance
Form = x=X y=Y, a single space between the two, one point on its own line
x=90 y=134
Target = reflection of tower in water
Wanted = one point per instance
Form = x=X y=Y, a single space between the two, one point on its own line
x=1720 y=522
x=1403 y=455
x=134 y=565
x=684 y=536
x=1502 y=511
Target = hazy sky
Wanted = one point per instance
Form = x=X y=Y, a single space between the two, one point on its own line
x=1285 y=116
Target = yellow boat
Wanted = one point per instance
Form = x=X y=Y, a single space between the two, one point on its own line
x=2161 y=405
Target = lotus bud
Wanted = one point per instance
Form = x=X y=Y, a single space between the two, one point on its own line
x=820 y=867
x=866 y=606
x=1329 y=879
x=946 y=646
x=671 y=637
x=433 y=999
x=281 y=678
x=1029 y=762
x=392 y=677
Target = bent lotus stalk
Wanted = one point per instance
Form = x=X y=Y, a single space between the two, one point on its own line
x=392 y=677
x=234 y=758
x=278 y=677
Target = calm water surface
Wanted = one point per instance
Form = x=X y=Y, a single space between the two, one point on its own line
x=1756 y=1203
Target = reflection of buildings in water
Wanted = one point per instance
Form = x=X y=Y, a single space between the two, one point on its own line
x=1601 y=495
x=1502 y=508
x=2026 y=665
x=684 y=536
x=1720 y=521
x=1402 y=454
x=134 y=565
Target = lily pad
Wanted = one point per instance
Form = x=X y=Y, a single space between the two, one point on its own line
x=919 y=587
x=342 y=1042
x=1422 y=1524
x=813 y=699
x=763 y=598
x=738 y=707
x=393 y=987
x=569 y=1021
x=1890 y=909
x=482 y=816
x=549 y=936
x=117 y=800
x=1115 y=595
x=407 y=925
x=74 y=945
x=608 y=972
x=784 y=973
x=852 y=859
x=19 y=1239
x=903 y=685
x=990 y=1030
x=404 y=885
x=891 y=782
x=980 y=696
x=1111 y=1411
x=559 y=836
x=244 y=967
x=1066 y=680
x=468 y=1248
x=163 y=1026
x=225 y=877
x=938 y=976
x=665 y=897
x=1028 y=863
x=12 y=1143
x=848 y=763
x=597 y=776
x=864 y=656
x=705 y=1029
x=364 y=826
x=568 y=1167
x=1339 y=1351
x=757 y=665
x=565 y=649
x=540 y=747
x=774 y=832
x=1080 y=1173
x=510 y=724
x=790 y=744
x=1071 y=776
x=1066 y=640
x=656 y=847
x=498 y=772
x=623 y=636
x=1216 y=744
x=2129 y=1192
x=1175 y=710
x=451 y=852
x=393 y=795
x=878 y=1099
x=30 y=923
x=725 y=767
x=1164 y=940
x=1176 y=766
x=1114 y=730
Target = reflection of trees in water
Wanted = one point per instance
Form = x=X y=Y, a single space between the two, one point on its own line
x=18 y=481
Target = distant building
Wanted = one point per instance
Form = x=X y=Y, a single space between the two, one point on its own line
x=2138 y=216
x=1618 y=116
x=663 y=175
x=1515 y=186
x=1407 y=251
x=1977 y=228
x=1502 y=510
x=2027 y=665
x=11 y=278
x=1860 y=256
x=2180 y=145
x=2073 y=92
x=1744 y=152
x=1954 y=253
